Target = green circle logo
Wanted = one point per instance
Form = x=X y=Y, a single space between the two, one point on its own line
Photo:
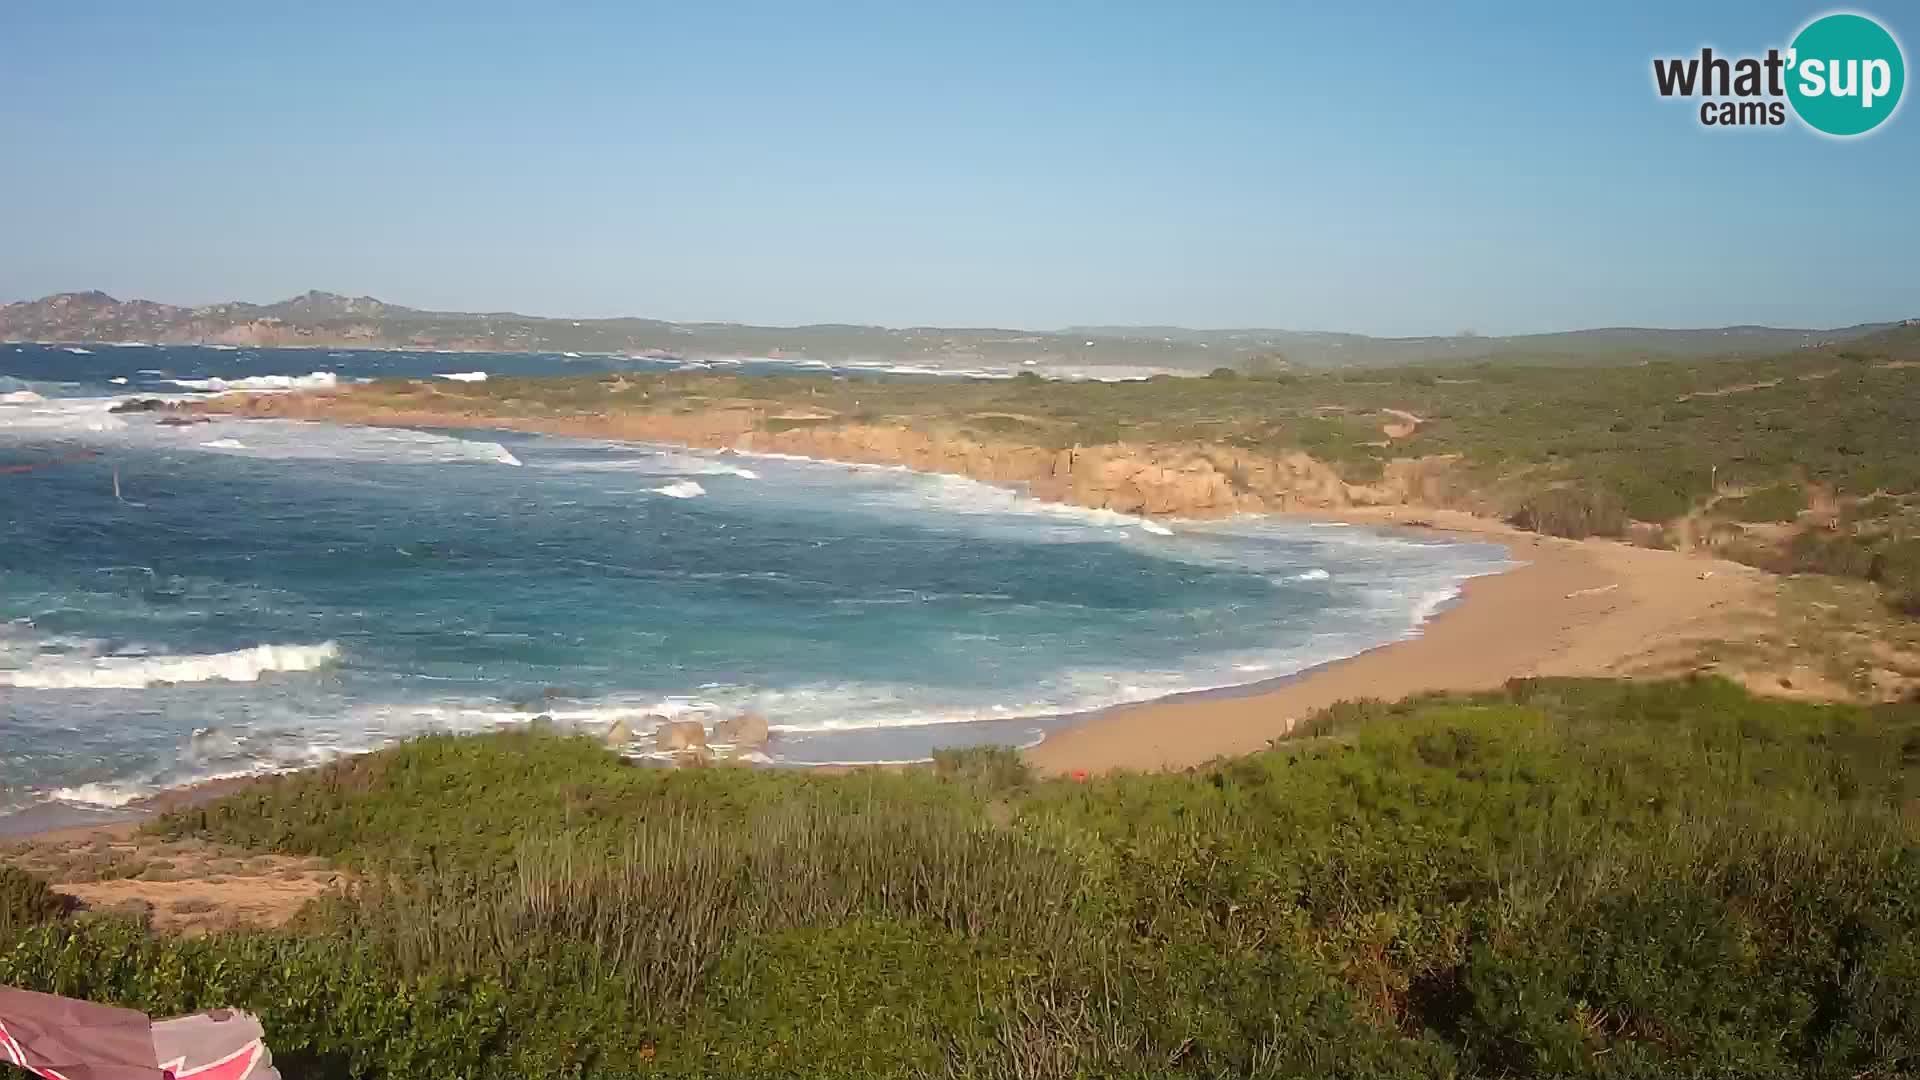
x=1845 y=74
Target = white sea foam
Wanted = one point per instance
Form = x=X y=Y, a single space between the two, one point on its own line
x=118 y=380
x=1155 y=527
x=131 y=345
x=103 y=795
x=225 y=348
x=65 y=415
x=224 y=444
x=1315 y=574
x=137 y=672
x=78 y=351
x=296 y=440
x=21 y=397
x=681 y=489
x=318 y=380
x=1431 y=603
x=666 y=463
x=464 y=376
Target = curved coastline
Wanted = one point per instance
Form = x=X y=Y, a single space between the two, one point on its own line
x=1587 y=607
x=1590 y=607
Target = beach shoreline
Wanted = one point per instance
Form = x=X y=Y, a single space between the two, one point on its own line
x=1571 y=607
x=1589 y=607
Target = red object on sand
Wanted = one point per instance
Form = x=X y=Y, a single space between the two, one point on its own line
x=64 y=1038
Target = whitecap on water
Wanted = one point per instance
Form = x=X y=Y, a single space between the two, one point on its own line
x=318 y=380
x=681 y=489
x=465 y=376
x=139 y=672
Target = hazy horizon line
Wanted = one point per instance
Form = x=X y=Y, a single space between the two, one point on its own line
x=1069 y=328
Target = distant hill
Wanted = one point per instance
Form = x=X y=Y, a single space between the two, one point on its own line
x=1318 y=349
x=332 y=320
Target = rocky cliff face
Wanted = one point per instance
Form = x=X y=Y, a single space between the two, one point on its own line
x=1187 y=480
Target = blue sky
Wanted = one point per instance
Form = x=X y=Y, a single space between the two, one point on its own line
x=1388 y=169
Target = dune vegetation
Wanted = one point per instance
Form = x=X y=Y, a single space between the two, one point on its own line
x=1567 y=878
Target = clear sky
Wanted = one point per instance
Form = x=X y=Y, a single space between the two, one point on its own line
x=1391 y=169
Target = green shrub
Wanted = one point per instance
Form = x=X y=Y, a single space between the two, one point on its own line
x=1781 y=502
x=1567 y=877
x=1819 y=551
x=1572 y=513
x=26 y=900
x=991 y=769
x=1897 y=568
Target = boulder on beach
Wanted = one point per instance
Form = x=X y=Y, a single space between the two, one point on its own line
x=748 y=731
x=139 y=405
x=676 y=736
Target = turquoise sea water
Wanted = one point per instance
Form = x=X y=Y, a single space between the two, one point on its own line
x=178 y=603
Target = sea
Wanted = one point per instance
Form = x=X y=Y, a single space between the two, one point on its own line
x=184 y=603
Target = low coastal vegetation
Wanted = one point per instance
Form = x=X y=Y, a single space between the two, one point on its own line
x=1802 y=462
x=1565 y=878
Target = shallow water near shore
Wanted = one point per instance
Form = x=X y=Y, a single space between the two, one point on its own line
x=185 y=602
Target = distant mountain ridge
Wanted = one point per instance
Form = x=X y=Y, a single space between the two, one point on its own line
x=324 y=319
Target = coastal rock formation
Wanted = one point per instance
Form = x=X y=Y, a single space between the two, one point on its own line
x=745 y=732
x=1179 y=480
x=677 y=736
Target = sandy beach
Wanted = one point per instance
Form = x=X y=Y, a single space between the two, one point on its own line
x=1588 y=607
x=1591 y=607
x=1577 y=608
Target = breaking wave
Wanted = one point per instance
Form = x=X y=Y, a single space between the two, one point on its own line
x=107 y=795
x=139 y=672
x=681 y=489
x=318 y=380
x=465 y=376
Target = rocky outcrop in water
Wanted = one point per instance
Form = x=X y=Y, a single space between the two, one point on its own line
x=745 y=733
x=676 y=736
